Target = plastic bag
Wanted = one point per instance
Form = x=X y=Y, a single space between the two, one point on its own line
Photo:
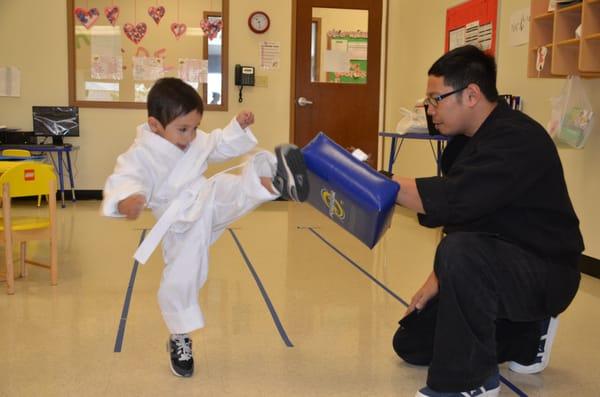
x=577 y=117
x=558 y=104
x=412 y=121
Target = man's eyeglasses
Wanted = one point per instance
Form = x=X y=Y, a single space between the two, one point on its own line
x=435 y=100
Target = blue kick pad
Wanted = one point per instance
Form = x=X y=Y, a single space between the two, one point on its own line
x=348 y=191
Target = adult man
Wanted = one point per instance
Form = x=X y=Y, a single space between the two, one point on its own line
x=508 y=262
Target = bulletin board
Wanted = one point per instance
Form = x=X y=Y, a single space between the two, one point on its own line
x=355 y=44
x=119 y=48
x=472 y=22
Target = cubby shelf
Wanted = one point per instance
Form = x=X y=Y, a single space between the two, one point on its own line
x=555 y=30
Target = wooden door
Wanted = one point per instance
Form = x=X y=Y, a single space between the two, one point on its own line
x=336 y=72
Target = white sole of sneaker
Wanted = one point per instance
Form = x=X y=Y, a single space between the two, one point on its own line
x=489 y=393
x=173 y=370
x=538 y=367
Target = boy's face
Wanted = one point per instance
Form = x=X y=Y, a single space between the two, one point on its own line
x=181 y=131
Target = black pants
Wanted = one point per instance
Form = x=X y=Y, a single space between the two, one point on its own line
x=492 y=296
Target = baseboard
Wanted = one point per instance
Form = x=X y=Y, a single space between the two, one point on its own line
x=89 y=195
x=83 y=195
x=590 y=266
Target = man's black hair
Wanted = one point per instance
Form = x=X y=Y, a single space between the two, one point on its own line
x=465 y=65
x=170 y=98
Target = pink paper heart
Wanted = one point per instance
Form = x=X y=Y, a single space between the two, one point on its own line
x=112 y=13
x=211 y=28
x=135 y=33
x=178 y=29
x=156 y=13
x=87 y=17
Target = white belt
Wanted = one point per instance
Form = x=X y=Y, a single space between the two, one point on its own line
x=167 y=219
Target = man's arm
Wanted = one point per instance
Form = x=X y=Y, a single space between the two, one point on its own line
x=408 y=196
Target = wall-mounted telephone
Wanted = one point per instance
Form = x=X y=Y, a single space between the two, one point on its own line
x=244 y=76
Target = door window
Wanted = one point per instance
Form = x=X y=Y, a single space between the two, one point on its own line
x=339 y=39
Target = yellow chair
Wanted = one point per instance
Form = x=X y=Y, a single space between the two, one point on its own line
x=21 y=153
x=24 y=180
x=16 y=152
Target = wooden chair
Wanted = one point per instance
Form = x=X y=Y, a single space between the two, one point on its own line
x=21 y=153
x=24 y=180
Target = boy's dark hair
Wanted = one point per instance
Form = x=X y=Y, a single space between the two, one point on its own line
x=465 y=65
x=170 y=98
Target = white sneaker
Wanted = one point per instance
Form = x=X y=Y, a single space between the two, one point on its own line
x=490 y=388
x=542 y=359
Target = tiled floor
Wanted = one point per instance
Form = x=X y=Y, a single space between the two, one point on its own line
x=60 y=341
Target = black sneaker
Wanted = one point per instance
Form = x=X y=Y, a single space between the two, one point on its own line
x=179 y=347
x=548 y=332
x=291 y=179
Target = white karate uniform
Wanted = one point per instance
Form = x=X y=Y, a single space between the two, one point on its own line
x=192 y=211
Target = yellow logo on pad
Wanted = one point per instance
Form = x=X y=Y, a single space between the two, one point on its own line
x=335 y=206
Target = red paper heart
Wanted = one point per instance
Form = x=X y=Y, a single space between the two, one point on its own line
x=87 y=17
x=178 y=29
x=135 y=33
x=112 y=13
x=156 y=13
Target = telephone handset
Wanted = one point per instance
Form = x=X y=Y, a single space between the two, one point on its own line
x=244 y=76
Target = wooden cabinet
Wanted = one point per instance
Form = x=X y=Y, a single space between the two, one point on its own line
x=555 y=30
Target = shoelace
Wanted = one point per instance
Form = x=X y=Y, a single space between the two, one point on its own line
x=542 y=347
x=184 y=351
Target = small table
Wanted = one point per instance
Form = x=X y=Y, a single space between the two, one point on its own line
x=395 y=147
x=59 y=150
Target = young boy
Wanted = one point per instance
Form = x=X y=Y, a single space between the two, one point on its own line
x=163 y=170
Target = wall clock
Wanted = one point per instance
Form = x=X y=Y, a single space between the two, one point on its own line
x=259 y=22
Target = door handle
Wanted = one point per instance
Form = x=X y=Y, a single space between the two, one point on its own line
x=303 y=101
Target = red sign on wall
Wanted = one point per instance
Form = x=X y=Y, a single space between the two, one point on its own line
x=472 y=22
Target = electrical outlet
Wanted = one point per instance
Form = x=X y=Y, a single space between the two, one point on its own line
x=261 y=81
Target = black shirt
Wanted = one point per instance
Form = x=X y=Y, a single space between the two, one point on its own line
x=507 y=180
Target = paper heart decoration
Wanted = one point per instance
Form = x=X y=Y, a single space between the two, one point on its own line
x=112 y=13
x=211 y=27
x=156 y=13
x=135 y=33
x=87 y=17
x=178 y=29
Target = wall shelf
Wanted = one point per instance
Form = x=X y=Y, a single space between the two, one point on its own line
x=555 y=30
x=569 y=42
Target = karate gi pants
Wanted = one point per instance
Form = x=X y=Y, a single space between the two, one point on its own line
x=186 y=254
x=492 y=296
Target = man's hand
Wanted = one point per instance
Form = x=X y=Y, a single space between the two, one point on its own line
x=424 y=294
x=245 y=119
x=132 y=206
